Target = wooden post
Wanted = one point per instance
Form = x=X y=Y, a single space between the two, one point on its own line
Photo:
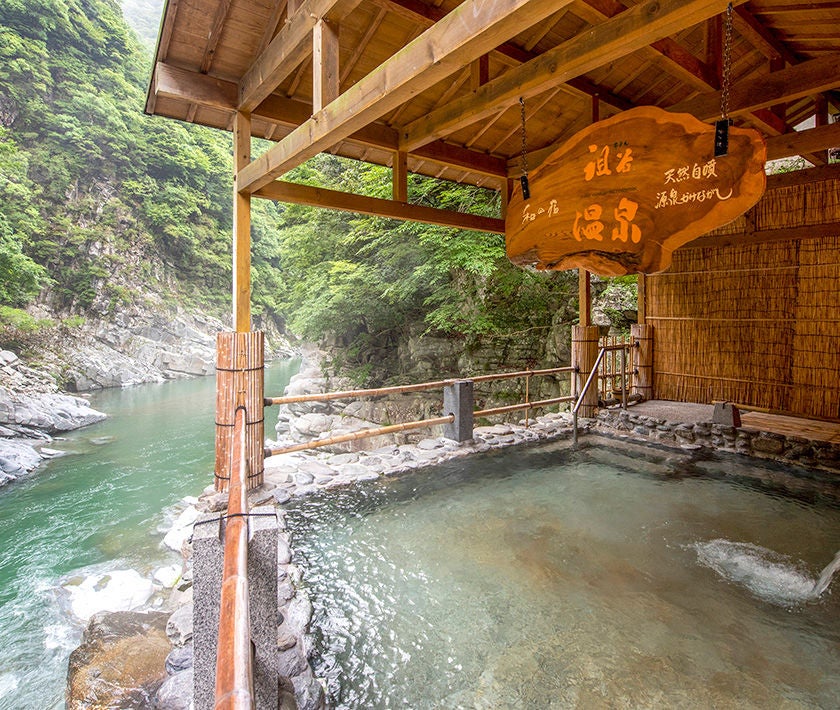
x=241 y=226
x=399 y=175
x=584 y=298
x=239 y=381
x=821 y=118
x=584 y=355
x=506 y=192
x=325 y=72
x=642 y=359
x=479 y=72
x=641 y=298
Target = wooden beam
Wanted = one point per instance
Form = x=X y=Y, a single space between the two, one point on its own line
x=215 y=35
x=280 y=6
x=811 y=140
x=241 y=227
x=804 y=177
x=199 y=89
x=828 y=229
x=324 y=64
x=399 y=175
x=805 y=79
x=746 y=24
x=391 y=209
x=287 y=50
x=585 y=52
x=362 y=45
x=470 y=30
x=418 y=11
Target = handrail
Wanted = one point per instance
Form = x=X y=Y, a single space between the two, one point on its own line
x=361 y=434
x=234 y=666
x=593 y=375
x=382 y=391
x=524 y=405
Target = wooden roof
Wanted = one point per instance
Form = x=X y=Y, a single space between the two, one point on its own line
x=440 y=80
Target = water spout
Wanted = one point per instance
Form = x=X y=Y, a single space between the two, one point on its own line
x=825 y=578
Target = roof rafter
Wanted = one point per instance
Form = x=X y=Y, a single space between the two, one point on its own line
x=420 y=12
x=604 y=43
x=748 y=96
x=291 y=46
x=203 y=90
x=470 y=30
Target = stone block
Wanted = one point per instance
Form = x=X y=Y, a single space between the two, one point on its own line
x=458 y=400
x=726 y=413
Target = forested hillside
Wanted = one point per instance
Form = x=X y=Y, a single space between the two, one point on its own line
x=102 y=207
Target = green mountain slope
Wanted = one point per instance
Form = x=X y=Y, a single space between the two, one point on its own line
x=102 y=207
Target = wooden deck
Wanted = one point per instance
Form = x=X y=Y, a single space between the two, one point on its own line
x=812 y=429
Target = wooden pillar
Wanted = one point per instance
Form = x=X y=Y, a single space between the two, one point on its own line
x=642 y=357
x=479 y=72
x=239 y=382
x=821 y=119
x=505 y=193
x=325 y=75
x=399 y=174
x=641 y=298
x=241 y=227
x=584 y=355
x=584 y=298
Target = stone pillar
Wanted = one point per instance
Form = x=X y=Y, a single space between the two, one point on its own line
x=584 y=355
x=642 y=358
x=208 y=556
x=263 y=532
x=239 y=382
x=458 y=400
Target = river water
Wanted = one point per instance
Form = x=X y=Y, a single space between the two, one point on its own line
x=101 y=507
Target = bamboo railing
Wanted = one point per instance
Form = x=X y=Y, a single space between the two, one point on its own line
x=234 y=668
x=406 y=426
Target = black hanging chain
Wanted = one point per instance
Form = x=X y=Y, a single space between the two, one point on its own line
x=526 y=191
x=726 y=79
x=722 y=126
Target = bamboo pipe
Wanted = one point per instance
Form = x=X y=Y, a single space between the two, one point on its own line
x=363 y=434
x=527 y=405
x=382 y=391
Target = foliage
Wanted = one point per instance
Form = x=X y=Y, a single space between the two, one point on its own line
x=98 y=201
x=365 y=279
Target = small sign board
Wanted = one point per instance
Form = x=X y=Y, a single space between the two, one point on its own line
x=621 y=195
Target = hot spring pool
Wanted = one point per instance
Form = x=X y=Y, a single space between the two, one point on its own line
x=552 y=578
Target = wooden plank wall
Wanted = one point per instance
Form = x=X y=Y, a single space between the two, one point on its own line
x=756 y=324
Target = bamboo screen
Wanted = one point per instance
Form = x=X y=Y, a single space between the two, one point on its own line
x=755 y=324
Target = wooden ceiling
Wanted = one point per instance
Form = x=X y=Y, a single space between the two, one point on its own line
x=435 y=84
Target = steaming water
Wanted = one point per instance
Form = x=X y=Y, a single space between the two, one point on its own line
x=100 y=509
x=549 y=578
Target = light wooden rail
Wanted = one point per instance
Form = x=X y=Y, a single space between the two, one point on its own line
x=234 y=667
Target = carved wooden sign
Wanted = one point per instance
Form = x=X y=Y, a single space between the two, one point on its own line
x=624 y=193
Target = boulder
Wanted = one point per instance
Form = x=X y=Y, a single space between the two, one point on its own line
x=120 y=662
x=176 y=693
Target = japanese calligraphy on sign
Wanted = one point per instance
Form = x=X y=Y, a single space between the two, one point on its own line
x=623 y=194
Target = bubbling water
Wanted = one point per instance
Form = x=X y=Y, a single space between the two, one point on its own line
x=768 y=575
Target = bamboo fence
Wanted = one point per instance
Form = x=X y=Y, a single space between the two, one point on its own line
x=757 y=324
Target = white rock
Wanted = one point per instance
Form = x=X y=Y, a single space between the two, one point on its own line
x=119 y=590
x=167 y=576
x=181 y=529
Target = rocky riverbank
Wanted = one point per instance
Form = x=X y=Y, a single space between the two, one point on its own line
x=32 y=411
x=134 y=347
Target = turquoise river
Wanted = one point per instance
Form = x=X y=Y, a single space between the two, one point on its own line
x=104 y=506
